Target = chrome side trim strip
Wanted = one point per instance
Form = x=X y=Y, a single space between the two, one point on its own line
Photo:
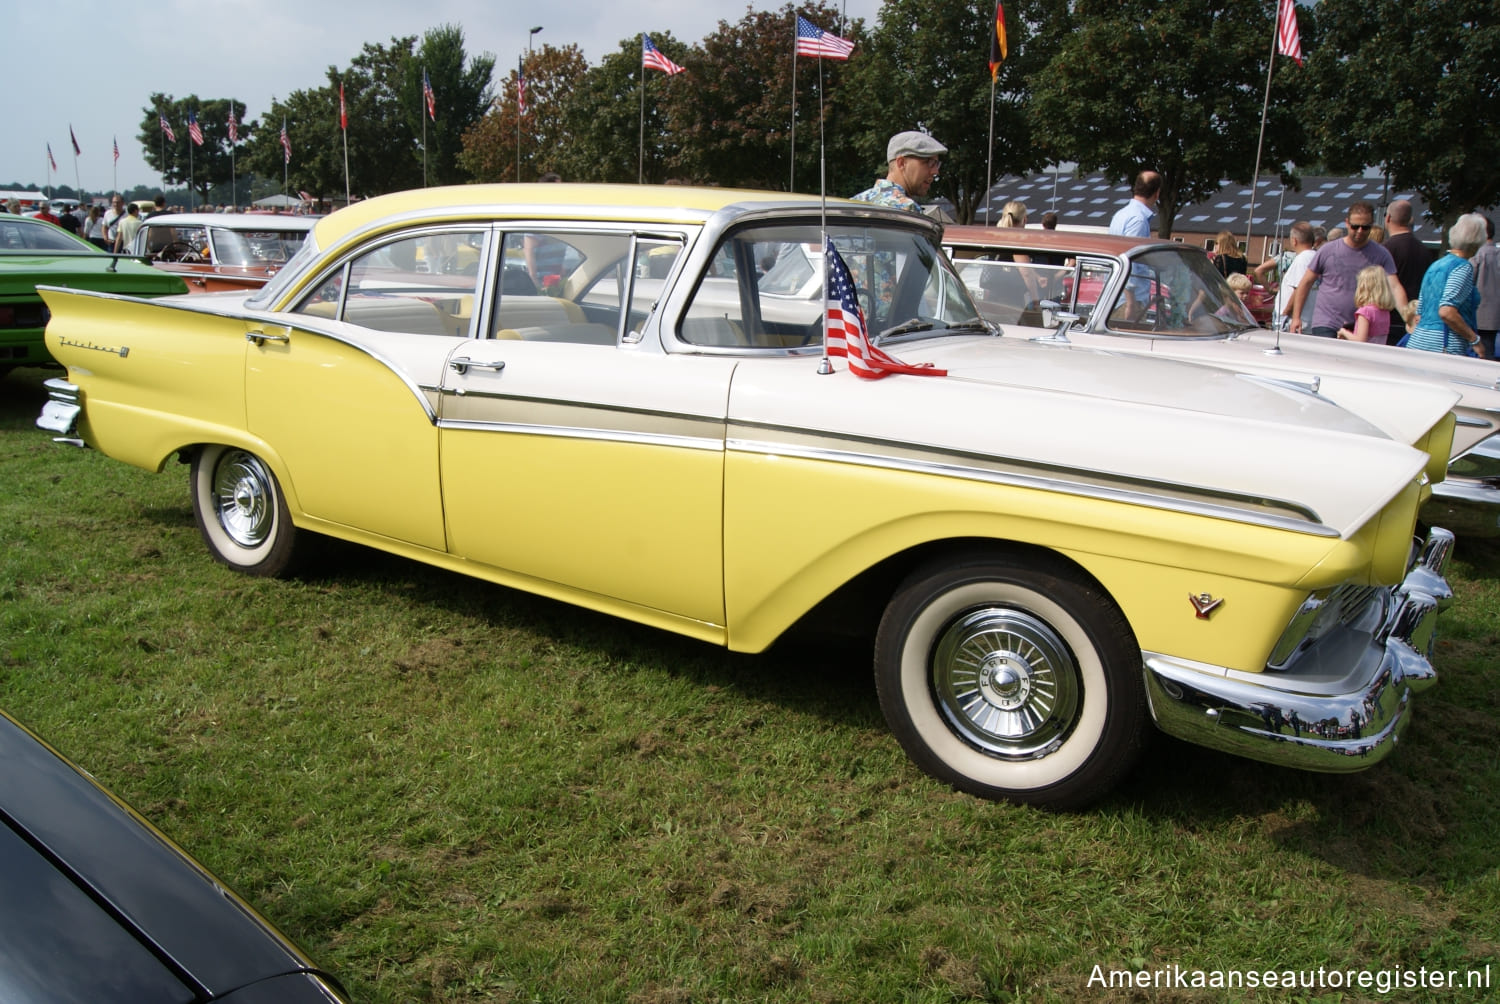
x=596 y=434
x=1087 y=484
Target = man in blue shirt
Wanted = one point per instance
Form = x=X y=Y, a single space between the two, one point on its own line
x=1134 y=218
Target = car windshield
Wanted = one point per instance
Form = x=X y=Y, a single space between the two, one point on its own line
x=765 y=289
x=255 y=247
x=1177 y=292
x=20 y=234
x=268 y=294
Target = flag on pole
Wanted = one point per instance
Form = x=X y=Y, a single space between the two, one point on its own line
x=234 y=126
x=847 y=334
x=1288 y=39
x=166 y=127
x=50 y=159
x=814 y=41
x=76 y=150
x=652 y=59
x=194 y=133
x=286 y=144
x=999 y=47
x=429 y=96
x=520 y=85
x=117 y=150
x=343 y=112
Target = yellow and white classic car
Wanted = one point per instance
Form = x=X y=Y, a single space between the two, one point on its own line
x=618 y=397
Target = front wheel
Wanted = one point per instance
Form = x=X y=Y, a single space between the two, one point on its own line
x=241 y=511
x=1012 y=680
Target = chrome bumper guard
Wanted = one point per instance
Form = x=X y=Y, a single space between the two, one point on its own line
x=60 y=413
x=1314 y=721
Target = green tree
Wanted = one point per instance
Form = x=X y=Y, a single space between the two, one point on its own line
x=489 y=145
x=604 y=116
x=462 y=95
x=928 y=68
x=180 y=160
x=731 y=112
x=1172 y=85
x=1413 y=87
x=316 y=163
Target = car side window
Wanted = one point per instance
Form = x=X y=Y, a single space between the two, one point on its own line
x=426 y=284
x=559 y=286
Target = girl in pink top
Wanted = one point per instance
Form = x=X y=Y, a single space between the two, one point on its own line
x=1373 y=304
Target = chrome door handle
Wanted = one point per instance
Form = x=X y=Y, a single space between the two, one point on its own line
x=462 y=364
x=258 y=337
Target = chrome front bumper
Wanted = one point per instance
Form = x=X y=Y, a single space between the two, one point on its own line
x=1316 y=716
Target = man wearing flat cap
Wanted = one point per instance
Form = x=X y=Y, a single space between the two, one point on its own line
x=913 y=159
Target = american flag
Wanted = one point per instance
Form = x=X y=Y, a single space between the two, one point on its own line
x=234 y=126
x=50 y=159
x=847 y=334
x=166 y=127
x=520 y=86
x=194 y=133
x=76 y=150
x=1288 y=39
x=343 y=113
x=814 y=41
x=117 y=151
x=429 y=96
x=286 y=143
x=652 y=59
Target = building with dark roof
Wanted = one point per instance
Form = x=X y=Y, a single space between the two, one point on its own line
x=1090 y=200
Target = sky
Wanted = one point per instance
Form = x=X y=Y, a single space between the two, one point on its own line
x=100 y=81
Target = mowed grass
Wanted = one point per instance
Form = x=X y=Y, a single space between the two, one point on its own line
x=448 y=791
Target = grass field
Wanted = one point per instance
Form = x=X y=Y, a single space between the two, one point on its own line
x=447 y=791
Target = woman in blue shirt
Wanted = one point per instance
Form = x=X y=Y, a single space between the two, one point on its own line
x=1449 y=303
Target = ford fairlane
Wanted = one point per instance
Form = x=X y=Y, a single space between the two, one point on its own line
x=594 y=393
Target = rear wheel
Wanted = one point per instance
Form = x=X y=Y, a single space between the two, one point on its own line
x=1012 y=680
x=241 y=511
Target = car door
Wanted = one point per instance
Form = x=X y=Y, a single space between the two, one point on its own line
x=345 y=386
x=572 y=458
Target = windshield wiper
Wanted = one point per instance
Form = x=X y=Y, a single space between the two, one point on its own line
x=905 y=328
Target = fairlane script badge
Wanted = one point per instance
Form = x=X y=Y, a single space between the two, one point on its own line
x=1204 y=604
x=122 y=351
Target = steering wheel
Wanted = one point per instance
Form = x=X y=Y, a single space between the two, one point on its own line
x=180 y=251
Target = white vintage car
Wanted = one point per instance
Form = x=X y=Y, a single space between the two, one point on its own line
x=598 y=401
x=1165 y=298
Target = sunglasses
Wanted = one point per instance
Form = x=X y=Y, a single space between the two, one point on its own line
x=1360 y=226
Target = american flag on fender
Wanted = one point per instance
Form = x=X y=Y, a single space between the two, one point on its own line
x=652 y=59
x=847 y=335
x=814 y=41
x=1288 y=39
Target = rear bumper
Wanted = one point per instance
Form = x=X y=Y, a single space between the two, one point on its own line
x=1315 y=716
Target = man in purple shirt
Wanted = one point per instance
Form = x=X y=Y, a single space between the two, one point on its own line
x=1336 y=266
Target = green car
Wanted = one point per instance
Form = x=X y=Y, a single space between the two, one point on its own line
x=35 y=252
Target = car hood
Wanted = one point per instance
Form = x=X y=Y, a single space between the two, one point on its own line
x=1101 y=416
x=1342 y=368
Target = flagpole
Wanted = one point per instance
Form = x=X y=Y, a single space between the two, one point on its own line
x=422 y=114
x=640 y=167
x=824 y=367
x=192 y=195
x=791 y=184
x=520 y=83
x=989 y=164
x=344 y=128
x=114 y=176
x=1264 y=109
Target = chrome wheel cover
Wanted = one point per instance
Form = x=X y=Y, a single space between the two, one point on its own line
x=1006 y=682
x=244 y=498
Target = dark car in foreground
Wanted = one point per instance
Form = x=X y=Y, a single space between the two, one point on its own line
x=98 y=905
x=36 y=252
